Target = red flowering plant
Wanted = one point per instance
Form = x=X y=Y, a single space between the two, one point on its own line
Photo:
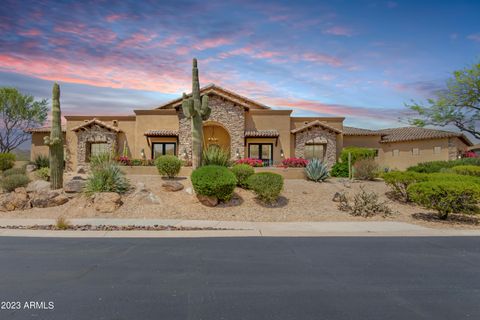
x=250 y=161
x=469 y=154
x=294 y=163
x=123 y=160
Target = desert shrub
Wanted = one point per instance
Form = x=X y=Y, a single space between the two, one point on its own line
x=12 y=171
x=43 y=173
x=214 y=181
x=437 y=166
x=168 y=165
x=365 y=204
x=339 y=169
x=14 y=181
x=357 y=153
x=399 y=181
x=101 y=160
x=215 y=156
x=242 y=172
x=250 y=161
x=316 y=171
x=294 y=163
x=62 y=223
x=440 y=176
x=41 y=161
x=266 y=185
x=446 y=196
x=468 y=170
x=106 y=178
x=136 y=162
x=366 y=169
x=7 y=161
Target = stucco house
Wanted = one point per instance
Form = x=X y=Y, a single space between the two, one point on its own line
x=246 y=128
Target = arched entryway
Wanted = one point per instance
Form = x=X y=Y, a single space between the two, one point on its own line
x=215 y=134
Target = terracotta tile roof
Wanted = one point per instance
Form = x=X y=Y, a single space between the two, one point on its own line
x=161 y=133
x=352 y=131
x=98 y=122
x=416 y=133
x=316 y=123
x=42 y=129
x=261 y=133
x=222 y=92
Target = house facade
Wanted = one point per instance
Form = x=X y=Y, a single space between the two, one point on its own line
x=245 y=128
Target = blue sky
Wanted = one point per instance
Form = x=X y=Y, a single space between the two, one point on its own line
x=359 y=59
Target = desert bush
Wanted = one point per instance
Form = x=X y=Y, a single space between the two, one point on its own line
x=440 y=176
x=366 y=169
x=316 y=171
x=266 y=185
x=437 y=166
x=41 y=161
x=365 y=204
x=12 y=171
x=7 y=161
x=250 y=161
x=399 y=181
x=446 y=196
x=215 y=156
x=168 y=165
x=214 y=181
x=467 y=170
x=339 y=169
x=14 y=181
x=357 y=153
x=242 y=172
x=62 y=223
x=43 y=173
x=106 y=178
x=294 y=163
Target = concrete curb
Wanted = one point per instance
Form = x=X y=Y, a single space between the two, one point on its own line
x=238 y=229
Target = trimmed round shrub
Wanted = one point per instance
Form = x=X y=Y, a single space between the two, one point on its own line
x=437 y=166
x=452 y=177
x=168 y=165
x=242 y=172
x=399 y=181
x=446 y=196
x=266 y=185
x=467 y=170
x=7 y=160
x=214 y=181
x=14 y=181
x=43 y=173
x=13 y=171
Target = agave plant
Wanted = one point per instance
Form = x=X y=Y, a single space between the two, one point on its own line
x=316 y=170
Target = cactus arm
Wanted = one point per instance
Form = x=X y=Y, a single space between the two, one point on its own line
x=187 y=106
x=205 y=109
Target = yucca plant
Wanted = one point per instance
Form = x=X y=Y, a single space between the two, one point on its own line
x=215 y=156
x=107 y=178
x=316 y=170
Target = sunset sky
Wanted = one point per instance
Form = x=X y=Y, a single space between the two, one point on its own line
x=359 y=59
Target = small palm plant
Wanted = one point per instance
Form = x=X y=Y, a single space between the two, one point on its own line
x=316 y=170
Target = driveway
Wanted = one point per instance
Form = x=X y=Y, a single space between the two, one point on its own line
x=242 y=278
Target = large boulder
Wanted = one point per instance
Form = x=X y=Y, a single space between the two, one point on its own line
x=74 y=185
x=172 y=186
x=16 y=200
x=106 y=201
x=30 y=167
x=142 y=195
x=48 y=199
x=38 y=186
x=208 y=201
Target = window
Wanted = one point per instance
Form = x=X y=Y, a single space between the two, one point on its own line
x=262 y=151
x=415 y=151
x=316 y=151
x=396 y=152
x=437 y=150
x=97 y=148
x=163 y=148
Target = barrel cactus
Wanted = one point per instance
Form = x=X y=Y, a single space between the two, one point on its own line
x=316 y=170
x=55 y=142
x=196 y=109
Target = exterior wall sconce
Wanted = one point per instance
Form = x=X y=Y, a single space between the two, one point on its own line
x=185 y=154
x=142 y=154
x=282 y=154
x=237 y=154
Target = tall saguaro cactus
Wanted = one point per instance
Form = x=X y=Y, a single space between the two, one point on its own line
x=55 y=142
x=197 y=110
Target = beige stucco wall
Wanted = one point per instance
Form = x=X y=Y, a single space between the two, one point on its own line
x=38 y=147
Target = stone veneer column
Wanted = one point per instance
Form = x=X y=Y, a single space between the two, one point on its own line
x=93 y=134
x=331 y=147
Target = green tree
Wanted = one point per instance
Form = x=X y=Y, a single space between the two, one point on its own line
x=458 y=104
x=18 y=112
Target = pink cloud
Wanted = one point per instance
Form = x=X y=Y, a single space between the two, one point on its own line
x=212 y=43
x=136 y=40
x=114 y=17
x=339 y=31
x=31 y=33
x=474 y=37
x=91 y=33
x=322 y=59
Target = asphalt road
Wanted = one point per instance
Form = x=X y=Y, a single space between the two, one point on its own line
x=242 y=278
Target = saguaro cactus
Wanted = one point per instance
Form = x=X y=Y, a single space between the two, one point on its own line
x=55 y=142
x=197 y=110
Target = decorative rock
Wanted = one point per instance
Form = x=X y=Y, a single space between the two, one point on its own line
x=143 y=196
x=172 y=186
x=81 y=170
x=140 y=187
x=30 y=168
x=208 y=201
x=75 y=185
x=107 y=201
x=16 y=200
x=48 y=199
x=189 y=190
x=338 y=196
x=38 y=186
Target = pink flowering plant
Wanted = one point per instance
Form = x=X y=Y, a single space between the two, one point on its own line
x=469 y=154
x=294 y=163
x=250 y=161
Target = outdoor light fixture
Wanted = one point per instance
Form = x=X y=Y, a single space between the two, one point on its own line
x=142 y=154
x=237 y=154
x=185 y=153
x=281 y=153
